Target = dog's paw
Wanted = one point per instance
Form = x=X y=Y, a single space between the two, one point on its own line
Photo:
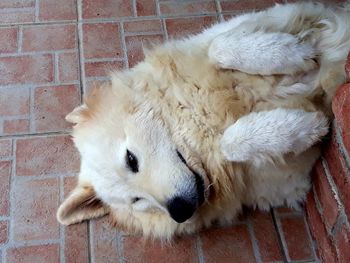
x=262 y=53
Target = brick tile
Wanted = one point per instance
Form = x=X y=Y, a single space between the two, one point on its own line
x=106 y=8
x=342 y=239
x=146 y=7
x=16 y=126
x=341 y=109
x=181 y=8
x=52 y=104
x=241 y=5
x=14 y=101
x=57 y=10
x=48 y=37
x=5 y=173
x=102 y=40
x=325 y=195
x=5 y=148
x=267 y=237
x=227 y=245
x=3 y=232
x=76 y=236
x=325 y=248
x=37 y=254
x=102 y=69
x=347 y=66
x=134 y=46
x=339 y=171
x=26 y=69
x=46 y=155
x=143 y=26
x=8 y=40
x=184 y=26
x=68 y=67
x=104 y=242
x=18 y=16
x=136 y=249
x=285 y=210
x=298 y=243
x=17 y=3
x=35 y=205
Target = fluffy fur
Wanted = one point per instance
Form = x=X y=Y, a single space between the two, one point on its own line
x=245 y=103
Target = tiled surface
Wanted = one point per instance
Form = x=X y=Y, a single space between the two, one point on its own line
x=51 y=53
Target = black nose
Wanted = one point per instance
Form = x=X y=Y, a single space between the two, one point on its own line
x=181 y=209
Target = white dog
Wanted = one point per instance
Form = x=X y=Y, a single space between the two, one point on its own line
x=206 y=124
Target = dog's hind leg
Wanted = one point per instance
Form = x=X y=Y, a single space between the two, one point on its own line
x=261 y=52
x=261 y=137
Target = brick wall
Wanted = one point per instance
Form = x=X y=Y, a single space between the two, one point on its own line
x=328 y=203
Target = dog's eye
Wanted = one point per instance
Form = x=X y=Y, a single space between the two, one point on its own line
x=181 y=157
x=135 y=200
x=131 y=162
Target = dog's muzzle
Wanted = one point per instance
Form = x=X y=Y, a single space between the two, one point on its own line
x=183 y=206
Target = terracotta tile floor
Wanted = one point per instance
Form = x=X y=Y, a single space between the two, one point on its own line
x=51 y=53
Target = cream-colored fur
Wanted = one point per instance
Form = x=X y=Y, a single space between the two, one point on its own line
x=251 y=138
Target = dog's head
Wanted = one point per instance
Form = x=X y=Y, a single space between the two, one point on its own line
x=131 y=165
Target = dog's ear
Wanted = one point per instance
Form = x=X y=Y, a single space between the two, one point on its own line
x=78 y=115
x=81 y=204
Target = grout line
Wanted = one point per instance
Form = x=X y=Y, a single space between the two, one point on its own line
x=81 y=63
x=280 y=236
x=149 y=33
x=61 y=227
x=20 y=39
x=38 y=134
x=341 y=145
x=158 y=13
x=37 y=4
x=134 y=9
x=91 y=254
x=31 y=110
x=93 y=60
x=55 y=67
x=199 y=248
x=32 y=85
x=120 y=246
x=219 y=11
x=122 y=36
x=255 y=245
x=1 y=127
x=31 y=53
x=26 y=178
x=311 y=241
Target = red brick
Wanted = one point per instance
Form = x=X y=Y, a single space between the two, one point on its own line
x=57 y=10
x=181 y=8
x=46 y=155
x=35 y=204
x=267 y=237
x=5 y=173
x=16 y=4
x=184 y=26
x=68 y=67
x=104 y=241
x=296 y=237
x=3 y=232
x=26 y=69
x=102 y=40
x=48 y=37
x=227 y=245
x=347 y=66
x=247 y=4
x=18 y=16
x=5 y=148
x=339 y=172
x=134 y=47
x=341 y=109
x=8 y=40
x=146 y=7
x=181 y=250
x=285 y=210
x=102 y=69
x=325 y=195
x=16 y=126
x=52 y=104
x=14 y=101
x=143 y=26
x=76 y=236
x=325 y=249
x=106 y=8
x=37 y=254
x=342 y=239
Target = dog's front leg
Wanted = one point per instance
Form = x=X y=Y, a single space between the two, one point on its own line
x=268 y=135
x=261 y=52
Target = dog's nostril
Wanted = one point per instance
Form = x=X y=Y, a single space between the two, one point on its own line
x=181 y=209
